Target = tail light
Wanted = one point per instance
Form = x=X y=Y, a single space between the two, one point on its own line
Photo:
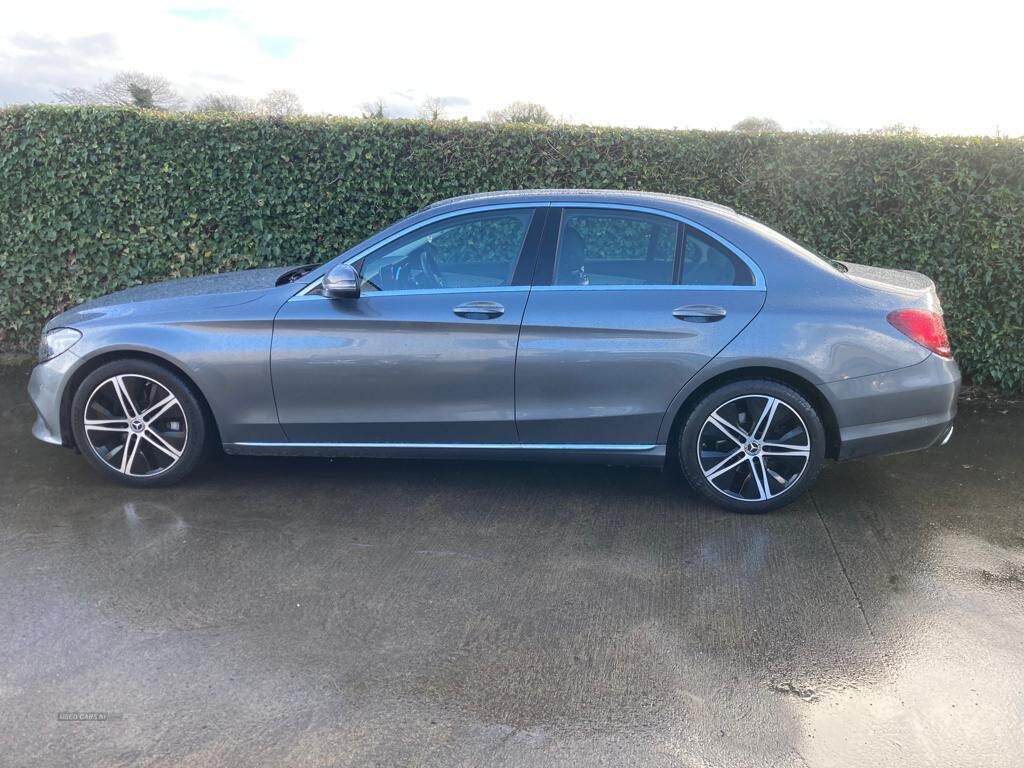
x=924 y=327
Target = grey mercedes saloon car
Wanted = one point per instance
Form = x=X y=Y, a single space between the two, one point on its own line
x=601 y=326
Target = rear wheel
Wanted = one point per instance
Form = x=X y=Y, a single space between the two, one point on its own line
x=752 y=446
x=138 y=423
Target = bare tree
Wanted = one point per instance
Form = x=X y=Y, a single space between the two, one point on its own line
x=375 y=110
x=279 y=103
x=433 y=109
x=521 y=112
x=757 y=125
x=225 y=103
x=127 y=89
x=897 y=129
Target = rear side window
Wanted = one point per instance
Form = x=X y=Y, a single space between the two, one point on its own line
x=602 y=247
x=707 y=262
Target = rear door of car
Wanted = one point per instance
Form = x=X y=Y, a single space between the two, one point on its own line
x=415 y=359
x=627 y=305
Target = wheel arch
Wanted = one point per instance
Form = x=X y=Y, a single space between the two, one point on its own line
x=688 y=398
x=109 y=356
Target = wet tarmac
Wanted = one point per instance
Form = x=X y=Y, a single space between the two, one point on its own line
x=277 y=612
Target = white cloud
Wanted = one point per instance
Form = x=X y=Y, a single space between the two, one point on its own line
x=944 y=68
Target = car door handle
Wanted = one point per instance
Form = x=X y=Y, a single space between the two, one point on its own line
x=699 y=313
x=480 y=310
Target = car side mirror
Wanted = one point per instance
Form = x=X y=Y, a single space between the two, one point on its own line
x=342 y=282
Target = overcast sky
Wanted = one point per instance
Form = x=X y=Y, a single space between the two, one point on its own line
x=945 y=68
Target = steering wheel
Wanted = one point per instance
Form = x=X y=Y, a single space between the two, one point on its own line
x=428 y=264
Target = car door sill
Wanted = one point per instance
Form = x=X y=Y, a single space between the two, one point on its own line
x=598 y=452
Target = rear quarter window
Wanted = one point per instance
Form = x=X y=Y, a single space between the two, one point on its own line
x=707 y=262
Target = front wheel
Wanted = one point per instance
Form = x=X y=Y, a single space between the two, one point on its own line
x=138 y=423
x=752 y=446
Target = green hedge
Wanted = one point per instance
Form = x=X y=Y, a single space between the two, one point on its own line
x=96 y=199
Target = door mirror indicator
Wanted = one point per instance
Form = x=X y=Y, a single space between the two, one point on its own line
x=342 y=282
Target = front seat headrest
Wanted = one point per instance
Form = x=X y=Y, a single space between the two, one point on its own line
x=572 y=253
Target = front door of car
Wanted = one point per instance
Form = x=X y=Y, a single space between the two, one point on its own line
x=426 y=354
x=627 y=307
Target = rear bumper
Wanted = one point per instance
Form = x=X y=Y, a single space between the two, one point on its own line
x=904 y=410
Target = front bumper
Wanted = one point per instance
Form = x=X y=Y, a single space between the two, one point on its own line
x=903 y=410
x=46 y=389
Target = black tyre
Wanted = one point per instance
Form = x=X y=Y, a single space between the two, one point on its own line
x=138 y=423
x=752 y=446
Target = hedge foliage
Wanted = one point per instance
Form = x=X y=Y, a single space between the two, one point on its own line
x=96 y=199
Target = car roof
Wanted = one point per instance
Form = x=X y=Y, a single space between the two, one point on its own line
x=658 y=200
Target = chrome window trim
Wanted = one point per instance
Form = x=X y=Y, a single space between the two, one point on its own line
x=667 y=287
x=759 y=280
x=306 y=296
x=755 y=270
x=419 y=225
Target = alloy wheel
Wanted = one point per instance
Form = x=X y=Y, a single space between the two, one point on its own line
x=753 y=447
x=136 y=425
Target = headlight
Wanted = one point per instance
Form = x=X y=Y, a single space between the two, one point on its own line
x=56 y=341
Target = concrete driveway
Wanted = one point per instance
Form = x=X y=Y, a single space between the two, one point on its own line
x=277 y=612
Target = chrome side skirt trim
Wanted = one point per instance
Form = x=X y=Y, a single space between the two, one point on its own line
x=459 y=446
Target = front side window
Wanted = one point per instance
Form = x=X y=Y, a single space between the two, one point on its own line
x=473 y=251
x=707 y=262
x=603 y=247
